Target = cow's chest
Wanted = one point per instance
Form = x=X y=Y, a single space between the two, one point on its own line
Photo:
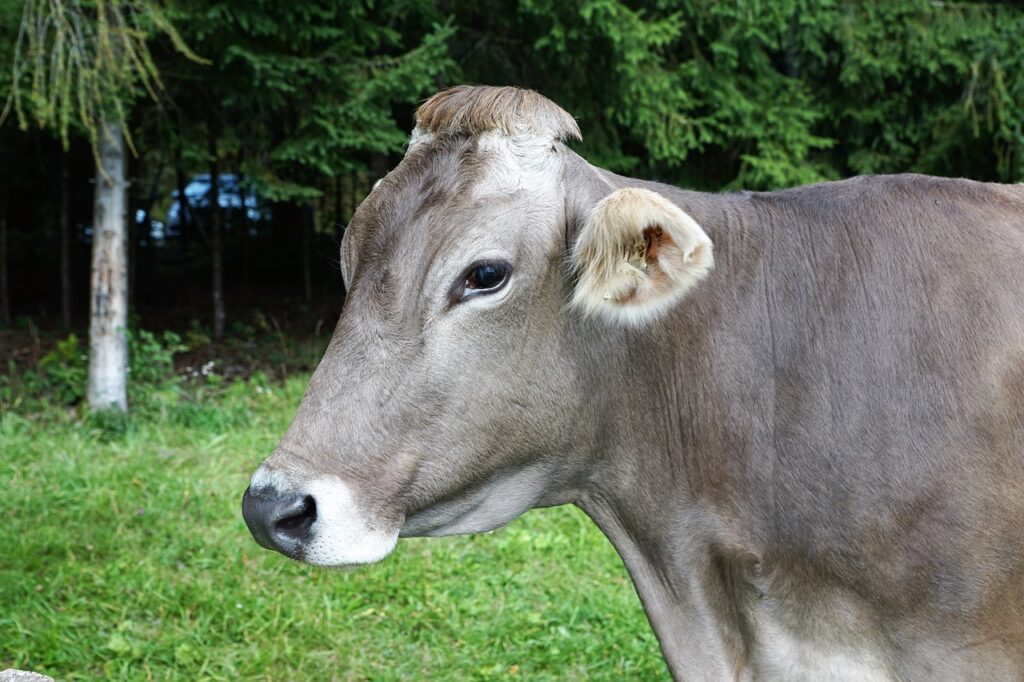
x=792 y=647
x=783 y=655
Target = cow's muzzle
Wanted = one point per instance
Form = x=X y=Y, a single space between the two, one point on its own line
x=278 y=521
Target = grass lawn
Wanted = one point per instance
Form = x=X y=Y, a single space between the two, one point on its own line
x=123 y=555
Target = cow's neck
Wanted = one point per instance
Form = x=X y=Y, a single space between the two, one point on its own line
x=677 y=567
x=653 y=487
x=679 y=550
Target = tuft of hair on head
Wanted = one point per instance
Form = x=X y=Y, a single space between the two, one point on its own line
x=475 y=109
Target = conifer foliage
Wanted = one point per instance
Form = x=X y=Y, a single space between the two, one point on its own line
x=287 y=112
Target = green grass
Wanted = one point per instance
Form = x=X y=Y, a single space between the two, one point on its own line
x=123 y=555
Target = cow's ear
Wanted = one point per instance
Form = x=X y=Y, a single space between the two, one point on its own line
x=637 y=255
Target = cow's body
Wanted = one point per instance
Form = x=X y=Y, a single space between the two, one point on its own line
x=810 y=456
x=839 y=417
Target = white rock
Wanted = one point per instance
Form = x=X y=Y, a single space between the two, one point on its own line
x=12 y=675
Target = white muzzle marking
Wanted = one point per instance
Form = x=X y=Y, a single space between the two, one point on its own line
x=341 y=534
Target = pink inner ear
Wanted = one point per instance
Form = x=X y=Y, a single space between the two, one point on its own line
x=656 y=238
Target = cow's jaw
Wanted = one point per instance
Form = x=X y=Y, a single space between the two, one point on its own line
x=486 y=506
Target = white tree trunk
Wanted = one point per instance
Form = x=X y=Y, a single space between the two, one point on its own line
x=108 y=299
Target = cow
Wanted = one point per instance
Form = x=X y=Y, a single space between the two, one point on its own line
x=798 y=416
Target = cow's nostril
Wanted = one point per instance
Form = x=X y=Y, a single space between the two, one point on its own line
x=279 y=522
x=295 y=521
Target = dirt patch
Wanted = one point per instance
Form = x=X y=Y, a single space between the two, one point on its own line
x=22 y=349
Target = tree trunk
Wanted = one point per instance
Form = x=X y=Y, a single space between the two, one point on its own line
x=134 y=171
x=184 y=211
x=244 y=232
x=133 y=252
x=151 y=197
x=307 y=233
x=65 y=242
x=216 y=244
x=142 y=236
x=337 y=204
x=5 y=299
x=350 y=202
x=108 y=298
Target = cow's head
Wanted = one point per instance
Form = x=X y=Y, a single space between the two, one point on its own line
x=461 y=387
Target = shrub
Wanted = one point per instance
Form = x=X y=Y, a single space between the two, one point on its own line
x=152 y=379
x=62 y=372
x=60 y=378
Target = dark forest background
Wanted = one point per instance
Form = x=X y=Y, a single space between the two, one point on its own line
x=298 y=107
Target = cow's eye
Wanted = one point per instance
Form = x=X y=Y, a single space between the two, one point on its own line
x=481 y=278
x=486 y=276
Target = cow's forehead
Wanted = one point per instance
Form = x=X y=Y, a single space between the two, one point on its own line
x=446 y=186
